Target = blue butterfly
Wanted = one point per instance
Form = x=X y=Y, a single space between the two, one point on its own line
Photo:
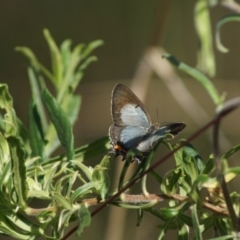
x=132 y=126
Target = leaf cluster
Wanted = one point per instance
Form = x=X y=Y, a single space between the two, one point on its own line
x=28 y=170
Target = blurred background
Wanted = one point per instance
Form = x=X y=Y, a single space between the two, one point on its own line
x=132 y=31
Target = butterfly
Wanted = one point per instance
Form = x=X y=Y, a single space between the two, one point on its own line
x=132 y=127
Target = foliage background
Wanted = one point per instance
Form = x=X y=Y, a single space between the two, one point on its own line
x=126 y=28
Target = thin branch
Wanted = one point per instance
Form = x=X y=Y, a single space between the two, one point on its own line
x=142 y=199
x=231 y=5
x=160 y=25
x=222 y=111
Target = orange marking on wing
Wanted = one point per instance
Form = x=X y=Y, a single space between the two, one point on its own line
x=118 y=148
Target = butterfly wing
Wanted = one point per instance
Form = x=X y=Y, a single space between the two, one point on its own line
x=131 y=120
x=157 y=133
x=125 y=138
x=127 y=109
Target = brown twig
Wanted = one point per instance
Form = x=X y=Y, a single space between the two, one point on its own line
x=231 y=5
x=225 y=109
x=137 y=199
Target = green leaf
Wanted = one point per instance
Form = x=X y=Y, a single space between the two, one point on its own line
x=208 y=222
x=157 y=176
x=8 y=228
x=71 y=106
x=23 y=223
x=36 y=95
x=84 y=219
x=71 y=181
x=10 y=120
x=56 y=58
x=60 y=122
x=156 y=213
x=235 y=170
x=5 y=174
x=36 y=136
x=27 y=52
x=85 y=189
x=206 y=58
x=145 y=166
x=182 y=231
x=124 y=172
x=197 y=75
x=209 y=167
x=169 y=212
x=222 y=226
x=221 y=22
x=49 y=175
x=139 y=216
x=61 y=201
x=90 y=47
x=93 y=149
x=196 y=224
x=165 y=228
x=189 y=150
x=19 y=170
x=202 y=179
x=185 y=219
x=171 y=181
x=100 y=175
x=231 y=152
x=63 y=221
x=79 y=72
x=86 y=170
x=4 y=151
x=68 y=76
x=188 y=164
x=65 y=50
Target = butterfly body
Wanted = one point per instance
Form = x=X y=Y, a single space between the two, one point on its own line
x=132 y=127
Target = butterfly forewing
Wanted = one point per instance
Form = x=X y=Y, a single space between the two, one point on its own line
x=127 y=109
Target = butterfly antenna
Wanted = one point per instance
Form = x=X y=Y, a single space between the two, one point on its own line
x=157 y=113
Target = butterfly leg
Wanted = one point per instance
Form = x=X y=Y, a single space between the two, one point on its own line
x=139 y=158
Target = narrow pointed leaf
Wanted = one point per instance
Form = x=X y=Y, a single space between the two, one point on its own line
x=221 y=22
x=84 y=219
x=35 y=63
x=36 y=136
x=56 y=58
x=19 y=170
x=37 y=97
x=60 y=122
x=206 y=58
x=10 y=120
x=90 y=47
x=62 y=201
x=196 y=224
x=197 y=75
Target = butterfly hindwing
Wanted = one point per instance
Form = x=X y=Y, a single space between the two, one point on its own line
x=128 y=137
x=156 y=133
